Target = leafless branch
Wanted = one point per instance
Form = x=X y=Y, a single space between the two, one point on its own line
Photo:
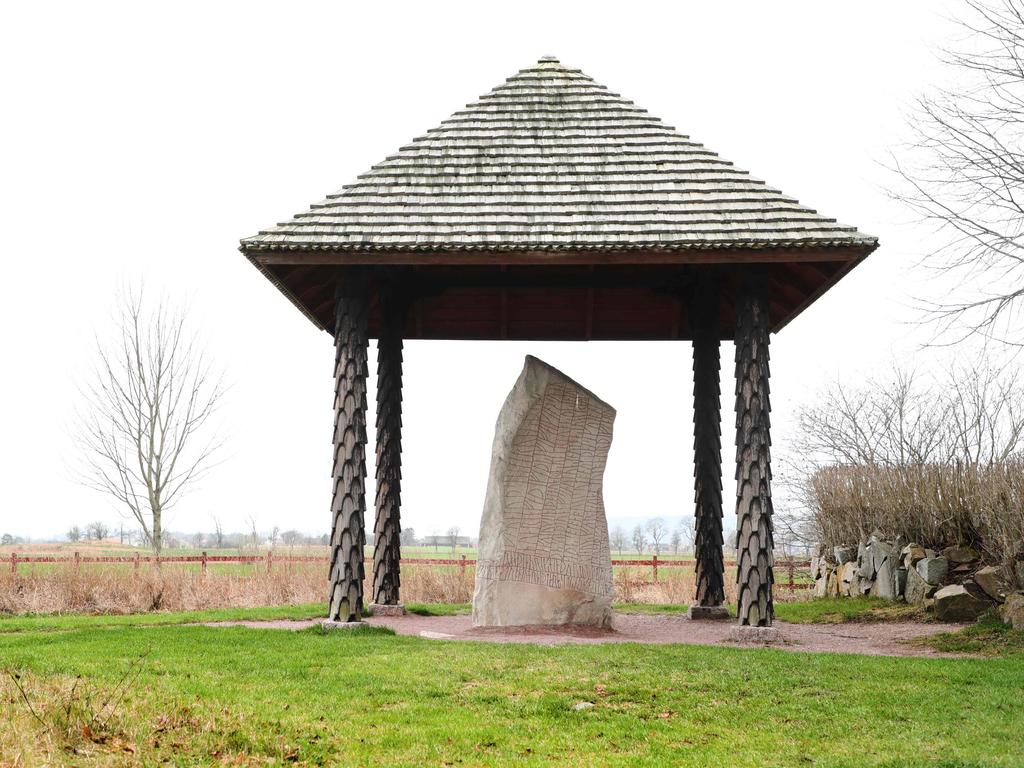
x=963 y=173
x=886 y=435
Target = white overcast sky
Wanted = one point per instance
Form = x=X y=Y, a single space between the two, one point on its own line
x=140 y=141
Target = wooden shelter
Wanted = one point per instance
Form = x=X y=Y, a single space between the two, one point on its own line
x=553 y=209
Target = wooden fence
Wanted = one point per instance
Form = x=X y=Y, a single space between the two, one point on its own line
x=789 y=566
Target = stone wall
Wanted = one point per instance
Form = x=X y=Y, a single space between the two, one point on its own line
x=953 y=583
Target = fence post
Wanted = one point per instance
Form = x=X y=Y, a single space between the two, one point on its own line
x=204 y=562
x=14 y=562
x=270 y=560
x=791 y=567
x=462 y=567
x=135 y=562
x=654 y=565
x=77 y=561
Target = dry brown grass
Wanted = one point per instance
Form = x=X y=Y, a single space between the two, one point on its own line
x=933 y=504
x=678 y=586
x=61 y=720
x=119 y=589
x=435 y=584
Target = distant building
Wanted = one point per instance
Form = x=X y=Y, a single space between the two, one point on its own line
x=442 y=540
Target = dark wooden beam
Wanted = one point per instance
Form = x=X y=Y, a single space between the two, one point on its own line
x=841 y=271
x=588 y=313
x=503 y=321
x=564 y=257
x=455 y=303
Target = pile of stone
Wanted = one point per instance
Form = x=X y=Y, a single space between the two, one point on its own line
x=953 y=583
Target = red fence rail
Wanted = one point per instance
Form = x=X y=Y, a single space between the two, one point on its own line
x=788 y=565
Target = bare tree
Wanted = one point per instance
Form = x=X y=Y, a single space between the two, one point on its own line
x=150 y=400
x=657 y=530
x=687 y=533
x=407 y=537
x=74 y=533
x=618 y=539
x=453 y=537
x=972 y=412
x=639 y=539
x=896 y=431
x=675 y=540
x=291 y=537
x=254 y=534
x=893 y=419
x=964 y=171
x=729 y=539
x=218 y=533
x=98 y=530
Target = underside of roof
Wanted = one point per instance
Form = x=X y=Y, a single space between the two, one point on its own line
x=552 y=169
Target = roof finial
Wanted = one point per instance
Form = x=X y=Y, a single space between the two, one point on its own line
x=548 y=60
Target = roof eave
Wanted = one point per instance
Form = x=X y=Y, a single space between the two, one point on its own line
x=284 y=289
x=844 y=270
x=848 y=254
x=663 y=253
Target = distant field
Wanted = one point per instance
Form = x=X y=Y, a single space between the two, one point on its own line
x=110 y=548
x=114 y=549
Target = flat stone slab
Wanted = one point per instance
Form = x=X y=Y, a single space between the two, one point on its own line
x=436 y=635
x=378 y=609
x=707 y=613
x=748 y=635
x=332 y=625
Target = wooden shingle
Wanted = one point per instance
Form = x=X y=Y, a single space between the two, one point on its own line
x=551 y=160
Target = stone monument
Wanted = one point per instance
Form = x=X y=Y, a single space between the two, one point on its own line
x=543 y=552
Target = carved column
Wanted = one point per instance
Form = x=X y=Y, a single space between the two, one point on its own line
x=753 y=455
x=349 y=503
x=388 y=527
x=707 y=454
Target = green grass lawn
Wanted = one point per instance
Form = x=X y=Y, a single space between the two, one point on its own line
x=988 y=637
x=197 y=695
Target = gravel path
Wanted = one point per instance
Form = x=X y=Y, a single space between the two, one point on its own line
x=880 y=639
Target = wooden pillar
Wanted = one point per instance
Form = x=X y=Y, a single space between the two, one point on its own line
x=707 y=448
x=388 y=526
x=754 y=542
x=348 y=503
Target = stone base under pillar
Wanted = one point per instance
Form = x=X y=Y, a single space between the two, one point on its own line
x=749 y=635
x=380 y=609
x=707 y=612
x=330 y=624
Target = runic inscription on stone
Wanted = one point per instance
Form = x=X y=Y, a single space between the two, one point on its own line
x=543 y=552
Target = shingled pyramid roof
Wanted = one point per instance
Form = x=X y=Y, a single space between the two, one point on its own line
x=551 y=160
